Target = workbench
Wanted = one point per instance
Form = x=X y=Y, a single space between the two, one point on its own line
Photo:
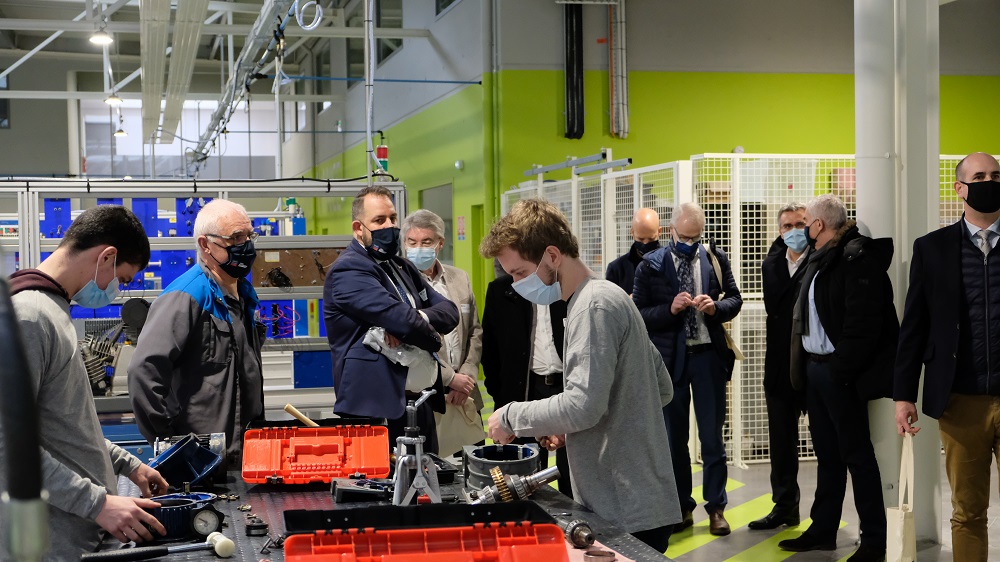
x=270 y=501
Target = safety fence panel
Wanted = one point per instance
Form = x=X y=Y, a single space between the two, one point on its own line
x=600 y=207
x=741 y=195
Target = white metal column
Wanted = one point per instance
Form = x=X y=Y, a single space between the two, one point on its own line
x=896 y=141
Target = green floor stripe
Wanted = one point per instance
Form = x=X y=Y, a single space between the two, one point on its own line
x=768 y=549
x=695 y=468
x=731 y=485
x=738 y=516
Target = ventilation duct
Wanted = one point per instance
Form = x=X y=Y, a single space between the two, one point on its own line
x=573 y=14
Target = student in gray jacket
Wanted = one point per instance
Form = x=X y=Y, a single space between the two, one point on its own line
x=609 y=415
x=197 y=367
x=103 y=247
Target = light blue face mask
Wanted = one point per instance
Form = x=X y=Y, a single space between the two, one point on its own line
x=795 y=239
x=536 y=291
x=423 y=258
x=92 y=296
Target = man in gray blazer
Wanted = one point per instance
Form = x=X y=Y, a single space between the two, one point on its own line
x=422 y=233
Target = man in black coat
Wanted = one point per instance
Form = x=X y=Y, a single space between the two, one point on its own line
x=684 y=304
x=646 y=235
x=950 y=326
x=844 y=329
x=521 y=360
x=781 y=271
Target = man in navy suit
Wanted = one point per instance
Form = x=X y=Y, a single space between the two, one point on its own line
x=950 y=326
x=370 y=285
x=678 y=294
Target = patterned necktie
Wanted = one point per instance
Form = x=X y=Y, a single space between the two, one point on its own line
x=387 y=267
x=984 y=241
x=685 y=277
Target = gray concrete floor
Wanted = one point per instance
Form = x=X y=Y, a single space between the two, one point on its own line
x=752 y=499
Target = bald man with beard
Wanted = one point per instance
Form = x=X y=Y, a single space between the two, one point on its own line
x=646 y=233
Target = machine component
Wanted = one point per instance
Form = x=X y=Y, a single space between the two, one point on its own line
x=186 y=461
x=515 y=487
x=578 y=531
x=510 y=459
x=416 y=474
x=215 y=442
x=98 y=353
x=361 y=490
x=276 y=278
x=222 y=546
x=599 y=555
x=187 y=515
x=256 y=527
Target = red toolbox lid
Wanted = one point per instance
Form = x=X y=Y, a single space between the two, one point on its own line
x=300 y=455
x=496 y=542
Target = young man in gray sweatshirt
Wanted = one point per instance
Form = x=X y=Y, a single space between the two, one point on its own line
x=103 y=247
x=609 y=415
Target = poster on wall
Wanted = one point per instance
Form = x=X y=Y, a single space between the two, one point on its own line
x=460 y=227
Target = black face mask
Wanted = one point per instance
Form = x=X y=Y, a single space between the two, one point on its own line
x=643 y=249
x=241 y=258
x=983 y=196
x=385 y=242
x=810 y=241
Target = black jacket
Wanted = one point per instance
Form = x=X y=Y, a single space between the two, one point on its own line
x=854 y=302
x=508 y=329
x=929 y=335
x=621 y=271
x=780 y=292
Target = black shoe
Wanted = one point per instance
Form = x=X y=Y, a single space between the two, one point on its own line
x=686 y=521
x=807 y=542
x=867 y=553
x=774 y=520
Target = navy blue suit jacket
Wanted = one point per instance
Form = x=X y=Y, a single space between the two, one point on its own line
x=359 y=294
x=931 y=328
x=656 y=285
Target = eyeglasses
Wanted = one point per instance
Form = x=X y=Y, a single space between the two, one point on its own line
x=237 y=238
x=687 y=240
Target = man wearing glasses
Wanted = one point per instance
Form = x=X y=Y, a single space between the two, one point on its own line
x=197 y=365
x=684 y=304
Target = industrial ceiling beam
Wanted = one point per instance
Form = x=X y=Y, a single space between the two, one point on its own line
x=215 y=6
x=188 y=22
x=200 y=64
x=191 y=96
x=155 y=19
x=14 y=24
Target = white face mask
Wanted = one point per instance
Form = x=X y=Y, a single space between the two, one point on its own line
x=536 y=291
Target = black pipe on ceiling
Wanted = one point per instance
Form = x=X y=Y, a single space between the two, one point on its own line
x=573 y=23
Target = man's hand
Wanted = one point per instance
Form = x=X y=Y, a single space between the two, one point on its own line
x=497 y=433
x=456 y=398
x=392 y=341
x=906 y=416
x=149 y=481
x=125 y=519
x=704 y=303
x=463 y=383
x=681 y=301
x=552 y=442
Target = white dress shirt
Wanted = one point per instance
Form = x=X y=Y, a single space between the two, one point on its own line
x=974 y=232
x=544 y=356
x=793 y=264
x=703 y=335
x=451 y=348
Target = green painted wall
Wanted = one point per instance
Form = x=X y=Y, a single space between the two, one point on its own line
x=672 y=116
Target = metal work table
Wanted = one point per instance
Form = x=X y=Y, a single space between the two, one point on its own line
x=270 y=501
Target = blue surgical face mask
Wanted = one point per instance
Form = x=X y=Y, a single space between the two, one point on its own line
x=795 y=239
x=423 y=258
x=533 y=289
x=92 y=296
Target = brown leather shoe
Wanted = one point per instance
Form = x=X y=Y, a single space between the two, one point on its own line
x=717 y=524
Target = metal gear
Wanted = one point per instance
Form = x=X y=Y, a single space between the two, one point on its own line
x=501 y=483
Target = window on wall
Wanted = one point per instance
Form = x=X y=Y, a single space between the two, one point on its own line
x=4 y=106
x=389 y=14
x=442 y=5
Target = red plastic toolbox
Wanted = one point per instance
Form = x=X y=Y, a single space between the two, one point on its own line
x=300 y=455
x=494 y=542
